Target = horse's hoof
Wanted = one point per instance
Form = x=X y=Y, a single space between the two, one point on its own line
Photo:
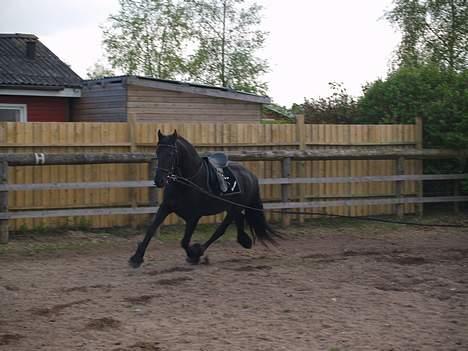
x=135 y=262
x=245 y=241
x=193 y=260
x=194 y=253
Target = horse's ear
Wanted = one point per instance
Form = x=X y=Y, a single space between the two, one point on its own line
x=175 y=133
x=160 y=135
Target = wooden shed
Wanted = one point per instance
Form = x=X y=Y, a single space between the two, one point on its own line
x=148 y=99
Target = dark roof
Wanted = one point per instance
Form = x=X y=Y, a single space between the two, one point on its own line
x=41 y=70
x=186 y=87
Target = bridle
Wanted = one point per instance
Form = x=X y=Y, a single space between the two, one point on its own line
x=171 y=172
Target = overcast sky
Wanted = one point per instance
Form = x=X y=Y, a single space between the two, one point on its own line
x=311 y=42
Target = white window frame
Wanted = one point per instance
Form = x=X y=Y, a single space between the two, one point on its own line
x=23 y=108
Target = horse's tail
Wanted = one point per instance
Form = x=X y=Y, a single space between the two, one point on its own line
x=258 y=224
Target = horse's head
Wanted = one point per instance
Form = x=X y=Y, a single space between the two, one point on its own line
x=166 y=154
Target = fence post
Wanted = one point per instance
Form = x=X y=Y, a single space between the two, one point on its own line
x=133 y=169
x=301 y=139
x=4 y=236
x=457 y=187
x=285 y=173
x=420 y=165
x=153 y=191
x=400 y=170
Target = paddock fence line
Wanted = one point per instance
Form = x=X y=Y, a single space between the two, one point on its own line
x=397 y=200
x=116 y=138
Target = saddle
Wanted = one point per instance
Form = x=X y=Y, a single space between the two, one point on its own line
x=220 y=179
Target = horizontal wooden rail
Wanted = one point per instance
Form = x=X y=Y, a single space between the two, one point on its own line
x=17 y=145
x=331 y=180
x=25 y=159
x=360 y=202
x=267 y=206
x=263 y=181
x=213 y=145
x=285 y=156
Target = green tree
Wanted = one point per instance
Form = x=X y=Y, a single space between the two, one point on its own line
x=227 y=38
x=433 y=31
x=147 y=37
x=439 y=96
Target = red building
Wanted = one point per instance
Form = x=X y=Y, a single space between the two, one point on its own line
x=35 y=85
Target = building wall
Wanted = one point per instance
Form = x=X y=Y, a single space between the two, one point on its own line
x=101 y=102
x=113 y=101
x=41 y=108
x=150 y=104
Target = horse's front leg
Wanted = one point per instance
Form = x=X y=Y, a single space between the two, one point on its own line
x=190 y=226
x=197 y=250
x=137 y=259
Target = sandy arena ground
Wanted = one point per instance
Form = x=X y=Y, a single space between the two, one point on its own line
x=331 y=288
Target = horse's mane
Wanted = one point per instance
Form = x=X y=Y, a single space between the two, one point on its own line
x=186 y=144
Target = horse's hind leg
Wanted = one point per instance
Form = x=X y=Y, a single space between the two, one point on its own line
x=242 y=237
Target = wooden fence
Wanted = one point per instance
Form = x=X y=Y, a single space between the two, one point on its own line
x=84 y=138
x=398 y=200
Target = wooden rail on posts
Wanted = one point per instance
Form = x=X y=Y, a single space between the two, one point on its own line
x=88 y=137
x=284 y=156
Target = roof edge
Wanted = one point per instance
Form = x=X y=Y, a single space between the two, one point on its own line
x=194 y=88
x=18 y=35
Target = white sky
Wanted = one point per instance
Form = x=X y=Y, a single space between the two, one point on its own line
x=311 y=42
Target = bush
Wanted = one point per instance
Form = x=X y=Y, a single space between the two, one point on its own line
x=339 y=107
x=439 y=96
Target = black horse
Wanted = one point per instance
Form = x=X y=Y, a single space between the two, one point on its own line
x=183 y=174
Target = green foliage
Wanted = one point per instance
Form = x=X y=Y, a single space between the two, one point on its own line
x=147 y=37
x=433 y=31
x=437 y=95
x=209 y=41
x=339 y=107
x=227 y=40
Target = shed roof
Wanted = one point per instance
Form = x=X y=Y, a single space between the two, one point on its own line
x=185 y=87
x=33 y=67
